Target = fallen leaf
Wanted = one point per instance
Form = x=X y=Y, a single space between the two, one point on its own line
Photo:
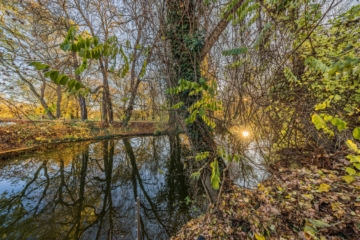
x=348 y=179
x=324 y=187
x=308 y=196
x=318 y=223
x=310 y=231
x=350 y=171
x=259 y=237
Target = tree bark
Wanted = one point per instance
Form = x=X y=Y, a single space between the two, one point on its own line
x=182 y=25
x=182 y=28
x=58 y=102
x=82 y=101
x=220 y=27
x=108 y=114
x=129 y=109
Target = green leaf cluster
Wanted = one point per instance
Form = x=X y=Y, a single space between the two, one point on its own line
x=59 y=78
x=87 y=48
x=207 y=102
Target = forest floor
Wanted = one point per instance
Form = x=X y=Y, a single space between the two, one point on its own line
x=306 y=202
x=18 y=135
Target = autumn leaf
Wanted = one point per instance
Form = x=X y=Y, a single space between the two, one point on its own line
x=308 y=196
x=356 y=133
x=318 y=223
x=350 y=171
x=259 y=237
x=357 y=165
x=324 y=187
x=352 y=146
x=310 y=231
x=348 y=179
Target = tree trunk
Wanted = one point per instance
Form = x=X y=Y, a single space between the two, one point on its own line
x=83 y=110
x=183 y=24
x=82 y=102
x=104 y=115
x=134 y=84
x=107 y=106
x=129 y=109
x=58 y=102
x=81 y=200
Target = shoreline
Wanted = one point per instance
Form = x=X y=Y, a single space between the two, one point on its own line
x=94 y=134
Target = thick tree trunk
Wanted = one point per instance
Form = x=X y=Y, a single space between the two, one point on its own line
x=183 y=24
x=107 y=103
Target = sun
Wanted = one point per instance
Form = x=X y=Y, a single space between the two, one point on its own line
x=245 y=133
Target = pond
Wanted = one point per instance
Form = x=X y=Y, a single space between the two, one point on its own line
x=88 y=191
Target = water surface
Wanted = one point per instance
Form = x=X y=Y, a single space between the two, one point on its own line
x=88 y=191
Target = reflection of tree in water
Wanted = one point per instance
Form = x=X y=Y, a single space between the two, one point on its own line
x=162 y=212
x=93 y=195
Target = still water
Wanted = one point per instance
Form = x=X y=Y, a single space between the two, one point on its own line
x=88 y=191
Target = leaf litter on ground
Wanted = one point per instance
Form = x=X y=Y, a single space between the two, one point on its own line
x=305 y=203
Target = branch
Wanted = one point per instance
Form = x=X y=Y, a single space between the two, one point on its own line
x=96 y=89
x=8 y=102
x=220 y=27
